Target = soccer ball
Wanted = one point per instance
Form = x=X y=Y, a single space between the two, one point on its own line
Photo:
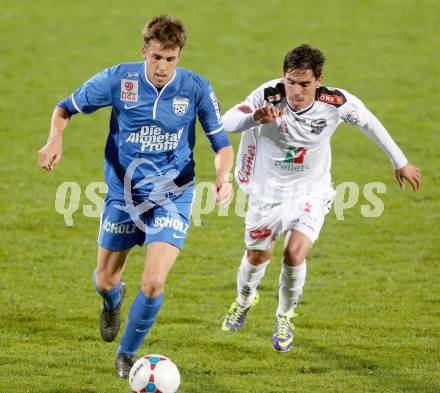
x=154 y=374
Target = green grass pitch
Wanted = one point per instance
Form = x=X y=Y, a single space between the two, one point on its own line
x=369 y=320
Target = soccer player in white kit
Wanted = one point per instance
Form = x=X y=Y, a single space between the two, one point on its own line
x=283 y=164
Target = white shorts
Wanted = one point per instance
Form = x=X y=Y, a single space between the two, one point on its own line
x=267 y=221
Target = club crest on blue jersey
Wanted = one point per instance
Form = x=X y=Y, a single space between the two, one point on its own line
x=180 y=105
x=129 y=90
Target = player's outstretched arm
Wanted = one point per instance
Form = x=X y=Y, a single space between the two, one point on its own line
x=223 y=190
x=50 y=154
x=411 y=173
x=242 y=117
x=377 y=132
x=267 y=114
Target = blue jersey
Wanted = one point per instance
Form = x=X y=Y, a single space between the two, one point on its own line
x=155 y=125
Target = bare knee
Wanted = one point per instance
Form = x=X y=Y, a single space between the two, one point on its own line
x=109 y=268
x=152 y=286
x=106 y=281
x=294 y=255
x=257 y=257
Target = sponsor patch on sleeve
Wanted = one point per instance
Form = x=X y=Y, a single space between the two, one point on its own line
x=274 y=94
x=352 y=118
x=330 y=96
x=331 y=99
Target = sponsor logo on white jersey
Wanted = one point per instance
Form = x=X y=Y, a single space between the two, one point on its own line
x=299 y=119
x=331 y=99
x=152 y=139
x=352 y=117
x=294 y=160
x=275 y=98
x=245 y=172
x=180 y=105
x=129 y=90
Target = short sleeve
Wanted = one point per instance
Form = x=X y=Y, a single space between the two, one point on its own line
x=92 y=95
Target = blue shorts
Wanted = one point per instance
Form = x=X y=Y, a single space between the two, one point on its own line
x=166 y=222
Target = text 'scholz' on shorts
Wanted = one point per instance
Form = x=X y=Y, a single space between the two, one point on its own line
x=168 y=222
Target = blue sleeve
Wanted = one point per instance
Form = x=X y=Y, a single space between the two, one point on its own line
x=92 y=95
x=210 y=118
x=219 y=140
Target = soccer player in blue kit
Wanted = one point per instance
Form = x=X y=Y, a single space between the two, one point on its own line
x=149 y=170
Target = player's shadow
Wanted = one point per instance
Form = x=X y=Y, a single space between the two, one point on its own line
x=356 y=365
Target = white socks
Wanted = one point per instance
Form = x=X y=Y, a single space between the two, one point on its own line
x=248 y=278
x=291 y=286
x=292 y=281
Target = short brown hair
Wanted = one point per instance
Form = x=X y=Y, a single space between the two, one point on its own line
x=304 y=57
x=166 y=29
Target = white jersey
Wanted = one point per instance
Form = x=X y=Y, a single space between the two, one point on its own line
x=280 y=160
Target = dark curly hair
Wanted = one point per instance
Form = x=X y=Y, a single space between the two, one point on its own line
x=304 y=57
x=166 y=29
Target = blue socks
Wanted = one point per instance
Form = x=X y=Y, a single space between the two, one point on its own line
x=142 y=315
x=112 y=298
